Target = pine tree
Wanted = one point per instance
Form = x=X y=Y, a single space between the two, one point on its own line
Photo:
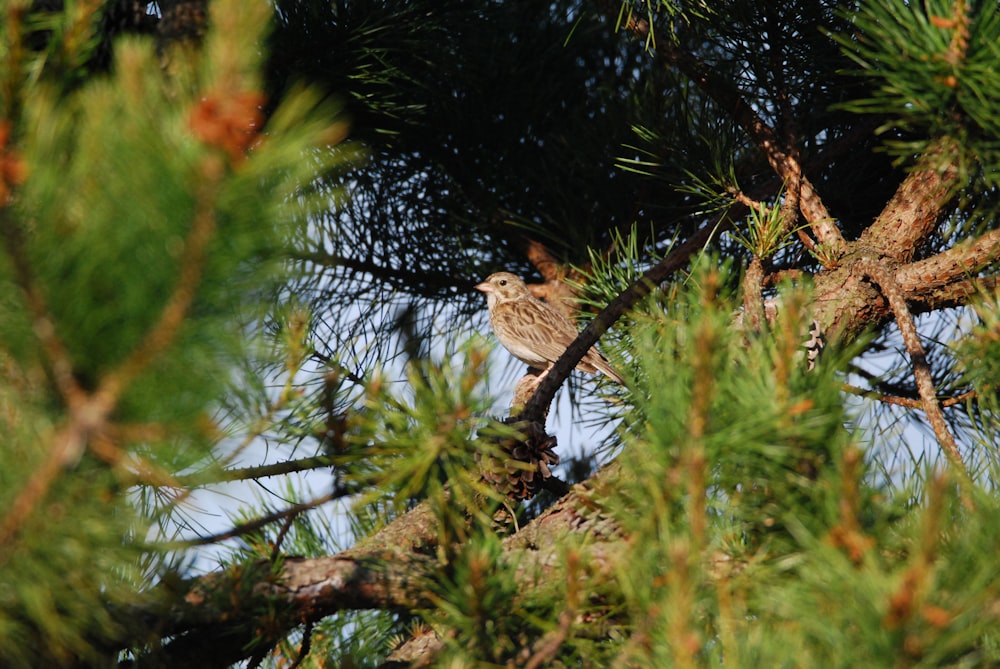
x=239 y=228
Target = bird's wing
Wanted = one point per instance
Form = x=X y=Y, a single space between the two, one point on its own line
x=594 y=362
x=540 y=328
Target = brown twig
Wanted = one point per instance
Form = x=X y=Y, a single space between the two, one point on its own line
x=259 y=471
x=103 y=447
x=305 y=647
x=908 y=402
x=280 y=537
x=909 y=597
x=256 y=524
x=918 y=359
x=537 y=407
x=547 y=647
x=86 y=412
x=793 y=177
x=793 y=195
x=774 y=278
x=848 y=534
x=748 y=201
x=65 y=444
x=702 y=392
x=753 y=294
x=730 y=98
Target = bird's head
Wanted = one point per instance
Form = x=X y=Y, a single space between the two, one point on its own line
x=502 y=287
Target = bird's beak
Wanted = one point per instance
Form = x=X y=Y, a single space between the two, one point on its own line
x=485 y=287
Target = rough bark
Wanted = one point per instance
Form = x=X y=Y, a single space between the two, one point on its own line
x=221 y=614
x=915 y=209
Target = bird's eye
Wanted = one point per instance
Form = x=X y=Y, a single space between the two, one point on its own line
x=503 y=282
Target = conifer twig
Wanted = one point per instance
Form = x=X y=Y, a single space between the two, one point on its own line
x=259 y=471
x=85 y=411
x=918 y=359
x=305 y=647
x=102 y=446
x=537 y=407
x=547 y=646
x=64 y=446
x=731 y=98
x=910 y=597
x=753 y=293
x=254 y=525
x=286 y=527
x=908 y=402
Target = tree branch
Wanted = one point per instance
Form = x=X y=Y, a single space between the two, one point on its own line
x=915 y=208
x=537 y=407
x=219 y=614
x=259 y=471
x=227 y=610
x=964 y=259
x=258 y=523
x=955 y=294
x=921 y=370
x=908 y=402
x=730 y=99
x=215 y=617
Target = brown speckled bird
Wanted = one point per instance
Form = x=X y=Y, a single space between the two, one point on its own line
x=533 y=331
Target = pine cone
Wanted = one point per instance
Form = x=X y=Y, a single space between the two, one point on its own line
x=527 y=465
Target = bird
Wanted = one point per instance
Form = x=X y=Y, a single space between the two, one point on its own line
x=533 y=331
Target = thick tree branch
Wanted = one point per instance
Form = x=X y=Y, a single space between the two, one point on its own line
x=218 y=615
x=916 y=207
x=221 y=613
x=227 y=611
x=955 y=294
x=391 y=569
x=964 y=259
